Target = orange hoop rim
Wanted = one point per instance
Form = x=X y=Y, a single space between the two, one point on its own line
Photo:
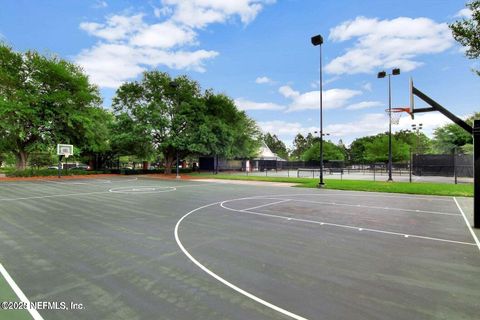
x=395 y=110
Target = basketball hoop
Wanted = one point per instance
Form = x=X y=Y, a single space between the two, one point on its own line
x=396 y=113
x=66 y=155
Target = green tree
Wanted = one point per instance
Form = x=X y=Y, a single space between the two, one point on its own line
x=450 y=136
x=129 y=137
x=330 y=151
x=172 y=116
x=357 y=149
x=276 y=145
x=45 y=101
x=225 y=130
x=377 y=149
x=302 y=144
x=467 y=32
x=158 y=113
x=416 y=141
x=299 y=146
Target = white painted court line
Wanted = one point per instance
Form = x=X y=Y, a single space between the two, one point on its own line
x=468 y=223
x=345 y=226
x=89 y=181
x=266 y=205
x=86 y=193
x=55 y=196
x=75 y=182
x=376 y=207
x=193 y=185
x=33 y=312
x=384 y=195
x=141 y=190
x=222 y=280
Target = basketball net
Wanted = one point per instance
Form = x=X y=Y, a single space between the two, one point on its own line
x=395 y=114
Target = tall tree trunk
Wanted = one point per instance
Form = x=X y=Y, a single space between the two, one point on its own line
x=169 y=160
x=22 y=157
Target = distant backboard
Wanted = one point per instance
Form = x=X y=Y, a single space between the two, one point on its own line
x=64 y=150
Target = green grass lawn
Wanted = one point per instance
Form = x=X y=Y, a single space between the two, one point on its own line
x=7 y=294
x=439 y=189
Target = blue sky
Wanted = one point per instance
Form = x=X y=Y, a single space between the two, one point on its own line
x=259 y=53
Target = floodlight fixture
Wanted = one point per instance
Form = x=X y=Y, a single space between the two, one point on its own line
x=381 y=74
x=317 y=40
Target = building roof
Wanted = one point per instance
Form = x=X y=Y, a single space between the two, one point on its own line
x=264 y=153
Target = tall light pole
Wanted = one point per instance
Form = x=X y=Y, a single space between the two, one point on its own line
x=416 y=129
x=382 y=74
x=318 y=41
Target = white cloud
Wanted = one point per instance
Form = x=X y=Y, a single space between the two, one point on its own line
x=464 y=13
x=116 y=27
x=128 y=45
x=244 y=104
x=429 y=120
x=364 y=105
x=100 y=4
x=200 y=13
x=368 y=124
x=367 y=86
x=163 y=35
x=261 y=80
x=286 y=131
x=375 y=123
x=161 y=12
x=387 y=43
x=111 y=64
x=288 y=92
x=332 y=98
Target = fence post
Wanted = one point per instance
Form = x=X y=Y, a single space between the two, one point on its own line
x=374 y=172
x=410 y=165
x=455 y=164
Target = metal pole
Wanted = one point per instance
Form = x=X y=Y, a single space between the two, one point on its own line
x=321 y=183
x=59 y=166
x=455 y=164
x=476 y=173
x=178 y=176
x=411 y=163
x=389 y=130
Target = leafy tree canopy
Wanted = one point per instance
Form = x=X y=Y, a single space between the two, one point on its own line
x=377 y=149
x=330 y=151
x=357 y=149
x=170 y=116
x=276 y=145
x=301 y=144
x=449 y=136
x=45 y=101
x=467 y=32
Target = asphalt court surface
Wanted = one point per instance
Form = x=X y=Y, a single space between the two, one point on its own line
x=139 y=248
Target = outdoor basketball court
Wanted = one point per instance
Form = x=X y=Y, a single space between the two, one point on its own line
x=140 y=248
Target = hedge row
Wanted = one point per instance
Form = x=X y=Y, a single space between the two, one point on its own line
x=49 y=172
x=54 y=172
